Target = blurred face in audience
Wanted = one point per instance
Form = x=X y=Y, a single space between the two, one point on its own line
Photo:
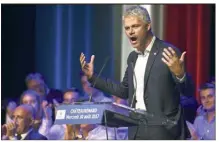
x=23 y=120
x=11 y=107
x=207 y=97
x=36 y=85
x=30 y=100
x=70 y=97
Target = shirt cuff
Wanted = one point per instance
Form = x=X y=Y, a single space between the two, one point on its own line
x=181 y=79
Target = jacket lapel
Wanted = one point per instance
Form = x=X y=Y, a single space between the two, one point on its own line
x=153 y=53
x=28 y=136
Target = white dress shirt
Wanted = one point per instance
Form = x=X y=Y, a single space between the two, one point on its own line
x=140 y=67
x=23 y=136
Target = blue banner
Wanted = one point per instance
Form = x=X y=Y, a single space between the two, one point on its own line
x=80 y=114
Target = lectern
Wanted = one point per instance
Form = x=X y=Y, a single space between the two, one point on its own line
x=107 y=114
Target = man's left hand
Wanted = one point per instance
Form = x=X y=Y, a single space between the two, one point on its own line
x=175 y=64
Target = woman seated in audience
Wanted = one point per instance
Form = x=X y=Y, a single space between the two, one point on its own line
x=43 y=120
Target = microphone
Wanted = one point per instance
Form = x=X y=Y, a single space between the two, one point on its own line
x=105 y=120
x=105 y=62
x=135 y=86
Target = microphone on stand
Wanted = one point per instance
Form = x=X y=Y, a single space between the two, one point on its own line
x=135 y=86
x=105 y=62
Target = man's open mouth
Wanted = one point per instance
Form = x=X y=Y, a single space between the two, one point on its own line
x=133 y=38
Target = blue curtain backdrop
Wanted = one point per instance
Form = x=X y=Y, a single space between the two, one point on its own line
x=63 y=32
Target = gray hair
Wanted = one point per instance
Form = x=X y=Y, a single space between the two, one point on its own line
x=138 y=11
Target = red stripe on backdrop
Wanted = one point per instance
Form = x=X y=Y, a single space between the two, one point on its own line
x=187 y=26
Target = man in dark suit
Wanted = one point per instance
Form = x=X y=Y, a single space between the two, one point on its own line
x=21 y=127
x=153 y=80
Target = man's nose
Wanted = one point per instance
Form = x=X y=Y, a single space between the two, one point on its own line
x=206 y=101
x=131 y=32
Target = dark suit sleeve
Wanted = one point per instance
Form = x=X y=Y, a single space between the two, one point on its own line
x=112 y=87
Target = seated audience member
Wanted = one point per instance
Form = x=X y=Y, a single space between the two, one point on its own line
x=21 y=127
x=57 y=132
x=71 y=95
x=204 y=125
x=43 y=119
x=7 y=108
x=37 y=82
x=97 y=95
x=9 y=112
x=200 y=110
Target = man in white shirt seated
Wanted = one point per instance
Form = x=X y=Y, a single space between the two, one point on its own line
x=21 y=127
x=205 y=124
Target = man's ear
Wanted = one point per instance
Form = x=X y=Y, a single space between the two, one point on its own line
x=148 y=26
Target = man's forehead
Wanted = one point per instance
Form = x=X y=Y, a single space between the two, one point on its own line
x=23 y=111
x=208 y=91
x=34 y=81
x=29 y=96
x=20 y=111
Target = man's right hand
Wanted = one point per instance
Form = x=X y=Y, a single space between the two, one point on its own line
x=87 y=68
x=10 y=129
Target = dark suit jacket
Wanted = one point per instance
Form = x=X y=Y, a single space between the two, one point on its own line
x=34 y=135
x=161 y=93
